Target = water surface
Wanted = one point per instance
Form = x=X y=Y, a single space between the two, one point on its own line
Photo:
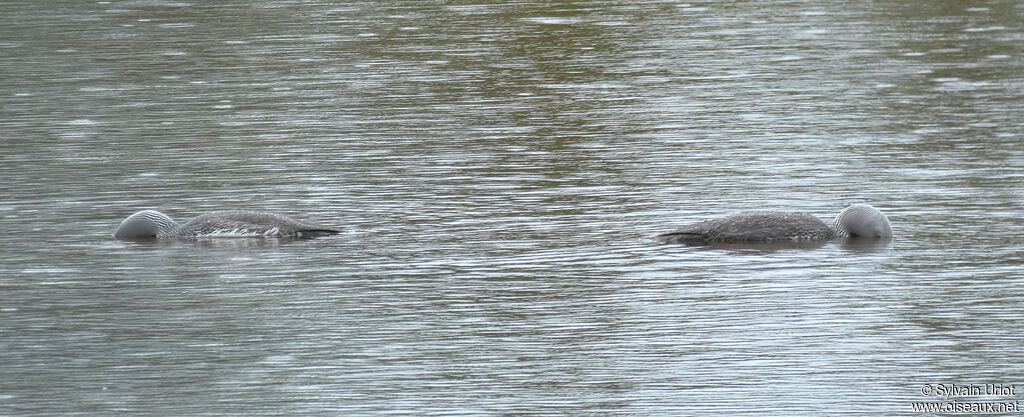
x=499 y=172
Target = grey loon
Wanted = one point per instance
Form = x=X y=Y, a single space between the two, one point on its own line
x=152 y=224
x=857 y=221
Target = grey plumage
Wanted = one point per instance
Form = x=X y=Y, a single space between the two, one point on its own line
x=152 y=224
x=858 y=221
x=862 y=221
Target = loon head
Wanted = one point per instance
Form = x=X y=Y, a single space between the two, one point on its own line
x=146 y=224
x=862 y=221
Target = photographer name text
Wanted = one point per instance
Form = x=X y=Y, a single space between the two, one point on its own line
x=947 y=391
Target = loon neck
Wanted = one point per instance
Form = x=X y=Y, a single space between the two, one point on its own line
x=862 y=221
x=838 y=230
x=165 y=226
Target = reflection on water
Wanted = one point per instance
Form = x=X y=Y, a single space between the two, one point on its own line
x=499 y=173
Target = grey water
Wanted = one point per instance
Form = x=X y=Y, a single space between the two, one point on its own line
x=499 y=172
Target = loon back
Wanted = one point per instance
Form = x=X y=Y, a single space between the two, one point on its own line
x=755 y=226
x=245 y=223
x=151 y=224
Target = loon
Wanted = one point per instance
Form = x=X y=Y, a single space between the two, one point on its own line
x=856 y=221
x=152 y=224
